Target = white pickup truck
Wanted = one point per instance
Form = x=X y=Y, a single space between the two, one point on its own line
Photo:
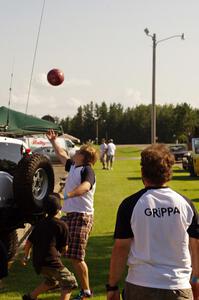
x=40 y=144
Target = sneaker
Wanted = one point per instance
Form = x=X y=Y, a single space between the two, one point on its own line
x=82 y=295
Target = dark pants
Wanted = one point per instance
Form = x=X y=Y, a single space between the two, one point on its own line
x=136 y=292
x=3 y=261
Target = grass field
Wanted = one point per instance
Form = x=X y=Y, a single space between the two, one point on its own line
x=112 y=187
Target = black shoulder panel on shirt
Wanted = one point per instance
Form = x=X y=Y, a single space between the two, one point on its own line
x=68 y=165
x=87 y=174
x=123 y=228
x=193 y=229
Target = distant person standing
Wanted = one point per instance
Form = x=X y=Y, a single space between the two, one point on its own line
x=103 y=151
x=110 y=154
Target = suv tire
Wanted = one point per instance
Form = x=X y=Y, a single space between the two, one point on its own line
x=32 y=183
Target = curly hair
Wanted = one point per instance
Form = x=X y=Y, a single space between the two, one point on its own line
x=90 y=154
x=157 y=162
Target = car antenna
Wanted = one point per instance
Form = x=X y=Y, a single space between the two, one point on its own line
x=34 y=56
x=10 y=94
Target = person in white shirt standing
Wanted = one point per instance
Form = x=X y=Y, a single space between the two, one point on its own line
x=78 y=206
x=110 y=154
x=103 y=151
x=157 y=235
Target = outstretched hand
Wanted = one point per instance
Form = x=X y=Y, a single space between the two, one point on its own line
x=51 y=135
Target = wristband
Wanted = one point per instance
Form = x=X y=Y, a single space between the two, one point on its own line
x=110 y=288
x=194 y=279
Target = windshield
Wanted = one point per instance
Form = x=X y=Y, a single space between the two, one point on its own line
x=69 y=144
x=177 y=147
x=11 y=152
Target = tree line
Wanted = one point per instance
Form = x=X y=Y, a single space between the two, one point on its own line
x=133 y=124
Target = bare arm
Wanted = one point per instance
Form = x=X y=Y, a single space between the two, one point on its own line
x=27 y=247
x=117 y=265
x=83 y=188
x=194 y=249
x=60 y=152
x=64 y=250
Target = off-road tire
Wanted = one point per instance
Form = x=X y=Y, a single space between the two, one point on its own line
x=10 y=240
x=32 y=183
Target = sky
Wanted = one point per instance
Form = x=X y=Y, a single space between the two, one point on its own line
x=101 y=47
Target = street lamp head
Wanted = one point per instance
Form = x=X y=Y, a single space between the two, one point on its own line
x=182 y=36
x=146 y=31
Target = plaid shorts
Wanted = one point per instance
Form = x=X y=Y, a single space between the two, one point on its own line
x=80 y=225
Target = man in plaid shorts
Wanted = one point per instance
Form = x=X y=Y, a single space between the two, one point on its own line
x=78 y=205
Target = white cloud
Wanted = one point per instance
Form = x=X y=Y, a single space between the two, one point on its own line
x=130 y=92
x=78 y=82
x=41 y=79
x=133 y=97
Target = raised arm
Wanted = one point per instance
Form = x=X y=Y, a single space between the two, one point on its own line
x=60 y=152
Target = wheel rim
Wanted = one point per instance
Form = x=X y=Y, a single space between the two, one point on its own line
x=40 y=184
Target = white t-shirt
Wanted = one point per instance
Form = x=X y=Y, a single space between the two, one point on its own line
x=103 y=148
x=111 y=149
x=160 y=222
x=77 y=175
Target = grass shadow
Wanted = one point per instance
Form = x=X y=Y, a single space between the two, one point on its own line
x=195 y=200
x=175 y=177
x=184 y=178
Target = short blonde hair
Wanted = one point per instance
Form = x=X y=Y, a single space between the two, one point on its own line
x=90 y=154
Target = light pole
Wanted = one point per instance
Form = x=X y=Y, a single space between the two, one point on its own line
x=97 y=130
x=153 y=108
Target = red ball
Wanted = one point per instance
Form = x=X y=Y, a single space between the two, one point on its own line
x=55 y=77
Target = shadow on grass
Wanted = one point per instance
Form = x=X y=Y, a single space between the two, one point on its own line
x=24 y=279
x=196 y=200
x=175 y=177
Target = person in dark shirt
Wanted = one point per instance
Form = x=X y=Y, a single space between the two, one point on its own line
x=48 y=239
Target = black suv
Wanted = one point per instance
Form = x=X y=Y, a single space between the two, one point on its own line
x=179 y=151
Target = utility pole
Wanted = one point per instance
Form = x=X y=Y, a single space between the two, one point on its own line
x=153 y=107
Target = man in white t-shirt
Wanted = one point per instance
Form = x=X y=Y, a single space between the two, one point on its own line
x=103 y=151
x=78 y=206
x=110 y=154
x=157 y=235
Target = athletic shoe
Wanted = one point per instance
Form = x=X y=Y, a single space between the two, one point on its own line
x=82 y=295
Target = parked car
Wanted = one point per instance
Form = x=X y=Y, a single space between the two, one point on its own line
x=71 y=147
x=48 y=152
x=40 y=144
x=193 y=159
x=179 y=151
x=186 y=161
x=26 y=180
